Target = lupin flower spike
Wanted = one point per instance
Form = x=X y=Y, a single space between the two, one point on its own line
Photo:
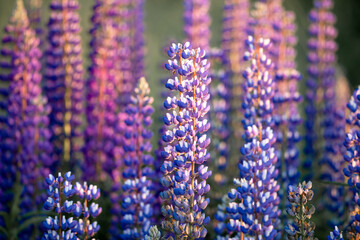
x=72 y=219
x=138 y=172
x=352 y=156
x=101 y=110
x=321 y=75
x=286 y=100
x=301 y=211
x=235 y=22
x=257 y=187
x=25 y=147
x=197 y=23
x=184 y=168
x=64 y=83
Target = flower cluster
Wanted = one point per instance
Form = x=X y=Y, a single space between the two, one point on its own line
x=184 y=170
x=25 y=147
x=137 y=197
x=300 y=209
x=64 y=85
x=197 y=23
x=62 y=226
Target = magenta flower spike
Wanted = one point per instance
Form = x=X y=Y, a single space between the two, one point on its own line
x=184 y=167
x=64 y=83
x=25 y=147
x=197 y=23
x=101 y=111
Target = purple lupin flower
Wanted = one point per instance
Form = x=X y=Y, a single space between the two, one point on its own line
x=321 y=76
x=351 y=156
x=138 y=39
x=184 y=170
x=25 y=148
x=100 y=139
x=138 y=172
x=257 y=187
x=197 y=23
x=64 y=83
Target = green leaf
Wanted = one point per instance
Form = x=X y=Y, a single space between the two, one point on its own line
x=4 y=231
x=335 y=183
x=29 y=222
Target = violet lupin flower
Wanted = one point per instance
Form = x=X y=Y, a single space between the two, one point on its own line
x=235 y=22
x=25 y=148
x=137 y=197
x=184 y=170
x=102 y=95
x=352 y=156
x=335 y=235
x=64 y=83
x=197 y=23
x=301 y=211
x=321 y=75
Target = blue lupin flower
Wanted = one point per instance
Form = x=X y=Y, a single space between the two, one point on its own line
x=138 y=172
x=184 y=156
x=72 y=219
x=335 y=235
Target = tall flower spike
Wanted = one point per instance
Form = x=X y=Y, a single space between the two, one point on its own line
x=286 y=101
x=235 y=22
x=138 y=172
x=301 y=211
x=197 y=23
x=321 y=75
x=352 y=156
x=257 y=188
x=184 y=168
x=25 y=148
x=101 y=111
x=64 y=83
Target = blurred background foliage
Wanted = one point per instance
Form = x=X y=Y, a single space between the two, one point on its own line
x=164 y=25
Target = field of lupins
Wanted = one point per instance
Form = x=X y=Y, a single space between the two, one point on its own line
x=237 y=150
